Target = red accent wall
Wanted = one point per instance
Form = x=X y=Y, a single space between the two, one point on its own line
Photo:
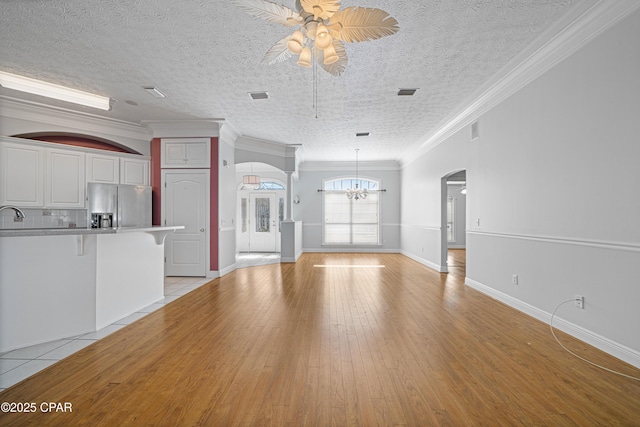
x=156 y=198
x=156 y=183
x=79 y=141
x=213 y=208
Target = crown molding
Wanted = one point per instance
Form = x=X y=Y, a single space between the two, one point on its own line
x=76 y=121
x=263 y=146
x=228 y=133
x=183 y=128
x=577 y=28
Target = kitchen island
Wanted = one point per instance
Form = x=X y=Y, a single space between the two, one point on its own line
x=59 y=283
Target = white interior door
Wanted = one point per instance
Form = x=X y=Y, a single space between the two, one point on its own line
x=185 y=201
x=263 y=222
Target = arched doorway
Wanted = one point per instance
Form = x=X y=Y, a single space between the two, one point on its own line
x=260 y=210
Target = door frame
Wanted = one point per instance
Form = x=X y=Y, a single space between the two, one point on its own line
x=444 y=242
x=207 y=175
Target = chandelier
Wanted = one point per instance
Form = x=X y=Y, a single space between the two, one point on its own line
x=357 y=193
x=321 y=30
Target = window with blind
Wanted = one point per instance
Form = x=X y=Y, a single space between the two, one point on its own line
x=349 y=221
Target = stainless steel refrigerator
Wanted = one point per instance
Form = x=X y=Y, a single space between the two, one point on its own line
x=118 y=205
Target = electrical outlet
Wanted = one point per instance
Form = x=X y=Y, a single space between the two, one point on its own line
x=514 y=279
x=579 y=301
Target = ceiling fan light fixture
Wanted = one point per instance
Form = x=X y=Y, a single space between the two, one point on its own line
x=322 y=23
x=330 y=55
x=305 y=58
x=311 y=27
x=295 y=44
x=323 y=38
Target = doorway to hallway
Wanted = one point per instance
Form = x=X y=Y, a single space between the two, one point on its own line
x=453 y=220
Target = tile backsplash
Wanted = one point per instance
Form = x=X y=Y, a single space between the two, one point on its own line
x=44 y=218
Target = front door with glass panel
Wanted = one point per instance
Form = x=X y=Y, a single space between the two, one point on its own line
x=263 y=222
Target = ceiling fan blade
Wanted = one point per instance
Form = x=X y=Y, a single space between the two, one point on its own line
x=279 y=52
x=358 y=24
x=338 y=67
x=320 y=8
x=270 y=12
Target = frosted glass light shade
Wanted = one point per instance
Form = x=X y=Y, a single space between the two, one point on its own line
x=311 y=29
x=323 y=38
x=330 y=55
x=295 y=42
x=305 y=58
x=50 y=90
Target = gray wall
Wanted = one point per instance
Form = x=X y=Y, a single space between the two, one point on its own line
x=544 y=183
x=460 y=224
x=309 y=211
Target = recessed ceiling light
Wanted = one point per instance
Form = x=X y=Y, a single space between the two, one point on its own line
x=259 y=95
x=363 y=134
x=406 y=92
x=153 y=91
x=50 y=90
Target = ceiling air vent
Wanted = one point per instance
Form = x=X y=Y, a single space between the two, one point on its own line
x=153 y=91
x=474 y=131
x=406 y=92
x=259 y=95
x=363 y=134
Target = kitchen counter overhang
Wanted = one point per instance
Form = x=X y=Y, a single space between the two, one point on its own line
x=58 y=283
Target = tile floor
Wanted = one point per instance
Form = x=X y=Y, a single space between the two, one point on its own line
x=251 y=259
x=16 y=365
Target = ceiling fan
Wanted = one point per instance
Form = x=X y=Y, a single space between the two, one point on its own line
x=322 y=29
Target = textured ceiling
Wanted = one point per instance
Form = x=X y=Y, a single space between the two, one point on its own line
x=206 y=56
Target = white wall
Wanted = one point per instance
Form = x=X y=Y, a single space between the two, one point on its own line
x=227 y=203
x=460 y=218
x=309 y=210
x=544 y=180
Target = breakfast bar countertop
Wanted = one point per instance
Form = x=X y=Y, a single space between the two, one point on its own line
x=25 y=232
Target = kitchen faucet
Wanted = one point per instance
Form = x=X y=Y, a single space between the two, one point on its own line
x=19 y=212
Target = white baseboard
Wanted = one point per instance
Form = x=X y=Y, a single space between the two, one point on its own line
x=214 y=274
x=613 y=348
x=227 y=270
x=431 y=265
x=290 y=259
x=349 y=249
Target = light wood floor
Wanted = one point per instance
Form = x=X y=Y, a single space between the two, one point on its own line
x=335 y=339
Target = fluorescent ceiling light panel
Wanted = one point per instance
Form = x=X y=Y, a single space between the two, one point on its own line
x=50 y=90
x=153 y=91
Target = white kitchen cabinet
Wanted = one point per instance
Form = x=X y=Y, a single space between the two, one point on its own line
x=21 y=175
x=134 y=171
x=45 y=175
x=185 y=153
x=102 y=168
x=65 y=184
